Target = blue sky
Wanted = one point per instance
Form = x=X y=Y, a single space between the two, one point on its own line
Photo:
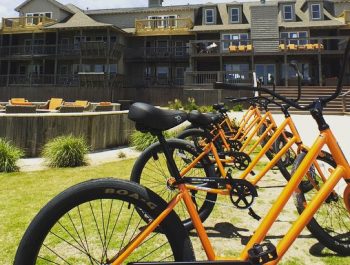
x=7 y=6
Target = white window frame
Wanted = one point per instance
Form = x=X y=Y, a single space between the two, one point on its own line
x=290 y=38
x=29 y=21
x=312 y=12
x=164 y=21
x=291 y=13
x=238 y=15
x=206 y=15
x=233 y=38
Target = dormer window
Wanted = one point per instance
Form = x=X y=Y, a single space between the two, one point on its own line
x=315 y=11
x=288 y=13
x=209 y=16
x=235 y=15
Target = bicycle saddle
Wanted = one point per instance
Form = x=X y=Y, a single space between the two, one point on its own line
x=218 y=106
x=148 y=117
x=203 y=119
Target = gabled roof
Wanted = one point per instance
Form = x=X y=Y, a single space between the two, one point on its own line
x=59 y=5
x=80 y=20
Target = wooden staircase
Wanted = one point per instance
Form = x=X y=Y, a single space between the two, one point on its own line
x=339 y=106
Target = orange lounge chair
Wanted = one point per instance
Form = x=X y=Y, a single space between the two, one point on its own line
x=19 y=101
x=309 y=46
x=292 y=47
x=282 y=47
x=318 y=46
x=249 y=48
x=52 y=104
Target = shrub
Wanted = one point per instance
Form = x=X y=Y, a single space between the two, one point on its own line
x=9 y=155
x=66 y=151
x=142 y=140
x=191 y=104
x=206 y=109
x=238 y=107
x=176 y=104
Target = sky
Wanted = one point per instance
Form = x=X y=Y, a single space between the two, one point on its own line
x=7 y=6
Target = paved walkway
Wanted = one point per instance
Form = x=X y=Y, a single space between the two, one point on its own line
x=305 y=124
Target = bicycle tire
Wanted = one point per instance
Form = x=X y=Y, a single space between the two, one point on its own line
x=152 y=162
x=52 y=226
x=322 y=225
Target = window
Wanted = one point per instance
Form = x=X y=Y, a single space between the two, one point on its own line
x=235 y=16
x=297 y=38
x=316 y=11
x=180 y=75
x=236 y=72
x=101 y=38
x=179 y=48
x=162 y=72
x=234 y=39
x=288 y=12
x=209 y=16
x=162 y=21
x=113 y=68
x=36 y=18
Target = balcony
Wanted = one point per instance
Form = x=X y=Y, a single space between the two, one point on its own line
x=157 y=53
x=210 y=77
x=248 y=47
x=168 y=26
x=25 y=24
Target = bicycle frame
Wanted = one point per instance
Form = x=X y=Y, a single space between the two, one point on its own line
x=342 y=170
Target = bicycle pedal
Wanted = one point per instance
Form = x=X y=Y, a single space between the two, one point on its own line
x=262 y=253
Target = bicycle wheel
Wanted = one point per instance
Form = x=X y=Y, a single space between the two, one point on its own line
x=93 y=221
x=151 y=171
x=331 y=223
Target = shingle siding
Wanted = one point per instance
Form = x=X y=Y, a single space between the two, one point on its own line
x=264 y=24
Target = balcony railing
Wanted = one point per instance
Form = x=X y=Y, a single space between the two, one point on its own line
x=157 y=52
x=167 y=26
x=23 y=24
x=87 y=49
x=256 y=46
x=209 y=77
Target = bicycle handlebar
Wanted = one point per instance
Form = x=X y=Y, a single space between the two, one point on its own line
x=292 y=103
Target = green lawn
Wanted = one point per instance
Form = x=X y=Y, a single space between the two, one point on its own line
x=23 y=194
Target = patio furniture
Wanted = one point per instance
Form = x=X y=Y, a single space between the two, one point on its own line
x=70 y=108
x=241 y=48
x=249 y=48
x=318 y=46
x=83 y=103
x=52 y=104
x=282 y=47
x=309 y=46
x=301 y=47
x=19 y=101
x=20 y=108
x=100 y=107
x=233 y=48
x=292 y=47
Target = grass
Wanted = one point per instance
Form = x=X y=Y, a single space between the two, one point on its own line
x=24 y=193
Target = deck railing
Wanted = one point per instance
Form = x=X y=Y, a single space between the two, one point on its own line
x=209 y=77
x=22 y=24
x=310 y=45
x=157 y=52
x=166 y=26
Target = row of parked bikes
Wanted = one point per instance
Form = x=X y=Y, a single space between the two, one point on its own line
x=176 y=183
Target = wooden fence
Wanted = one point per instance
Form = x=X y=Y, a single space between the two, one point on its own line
x=31 y=131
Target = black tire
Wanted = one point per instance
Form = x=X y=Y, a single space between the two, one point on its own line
x=151 y=170
x=87 y=216
x=331 y=223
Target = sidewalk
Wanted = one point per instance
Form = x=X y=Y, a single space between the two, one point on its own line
x=95 y=158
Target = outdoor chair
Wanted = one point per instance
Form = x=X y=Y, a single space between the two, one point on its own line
x=19 y=101
x=309 y=46
x=249 y=48
x=302 y=47
x=282 y=47
x=52 y=104
x=241 y=48
x=292 y=47
x=233 y=48
x=103 y=107
x=70 y=108
x=20 y=109
x=318 y=46
x=83 y=103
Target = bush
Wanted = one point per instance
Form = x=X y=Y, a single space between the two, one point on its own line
x=9 y=156
x=142 y=140
x=176 y=104
x=66 y=151
x=238 y=107
x=191 y=104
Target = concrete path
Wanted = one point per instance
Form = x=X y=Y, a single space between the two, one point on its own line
x=305 y=124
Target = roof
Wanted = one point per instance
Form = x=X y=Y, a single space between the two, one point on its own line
x=141 y=9
x=59 y=5
x=80 y=20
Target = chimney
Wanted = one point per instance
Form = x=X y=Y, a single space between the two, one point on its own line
x=155 y=3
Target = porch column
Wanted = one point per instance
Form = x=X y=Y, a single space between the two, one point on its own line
x=285 y=65
x=319 y=69
x=56 y=59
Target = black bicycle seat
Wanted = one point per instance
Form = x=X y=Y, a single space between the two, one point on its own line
x=218 y=106
x=203 y=119
x=148 y=117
